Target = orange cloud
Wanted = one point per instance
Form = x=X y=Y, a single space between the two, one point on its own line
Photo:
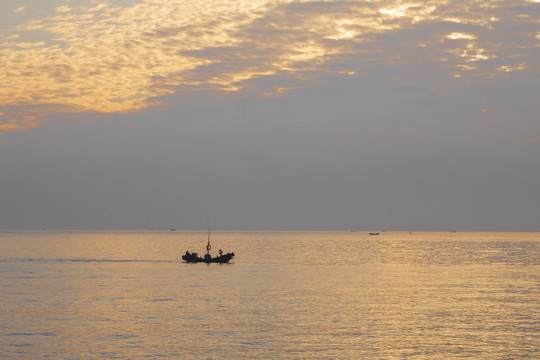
x=103 y=57
x=17 y=120
x=20 y=9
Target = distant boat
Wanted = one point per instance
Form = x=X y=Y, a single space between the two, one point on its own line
x=173 y=229
x=207 y=258
x=374 y=233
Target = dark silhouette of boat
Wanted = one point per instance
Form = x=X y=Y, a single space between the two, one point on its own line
x=207 y=258
x=374 y=233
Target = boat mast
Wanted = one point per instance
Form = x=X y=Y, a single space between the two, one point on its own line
x=208 y=247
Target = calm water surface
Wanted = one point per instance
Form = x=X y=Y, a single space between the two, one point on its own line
x=287 y=295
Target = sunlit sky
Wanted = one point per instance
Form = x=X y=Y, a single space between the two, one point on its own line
x=254 y=114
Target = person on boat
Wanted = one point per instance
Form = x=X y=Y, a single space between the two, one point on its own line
x=220 y=252
x=187 y=253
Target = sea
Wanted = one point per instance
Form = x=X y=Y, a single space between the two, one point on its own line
x=285 y=295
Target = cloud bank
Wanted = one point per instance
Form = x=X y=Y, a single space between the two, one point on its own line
x=114 y=57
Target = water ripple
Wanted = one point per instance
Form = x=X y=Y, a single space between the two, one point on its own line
x=82 y=260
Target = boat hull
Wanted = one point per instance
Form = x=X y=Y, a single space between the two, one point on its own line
x=223 y=259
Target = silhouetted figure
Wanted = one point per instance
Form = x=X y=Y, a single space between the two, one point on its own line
x=220 y=252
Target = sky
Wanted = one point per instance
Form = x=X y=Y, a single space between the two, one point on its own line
x=282 y=115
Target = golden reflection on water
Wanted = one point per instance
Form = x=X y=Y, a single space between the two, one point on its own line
x=288 y=294
x=109 y=57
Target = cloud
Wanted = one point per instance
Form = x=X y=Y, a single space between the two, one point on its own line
x=20 y=118
x=63 y=9
x=20 y=9
x=102 y=57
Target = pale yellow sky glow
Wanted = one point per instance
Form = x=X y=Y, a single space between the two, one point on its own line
x=122 y=56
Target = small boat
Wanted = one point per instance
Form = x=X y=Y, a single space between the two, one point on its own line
x=207 y=258
x=374 y=233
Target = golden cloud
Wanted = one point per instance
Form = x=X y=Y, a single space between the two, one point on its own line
x=102 y=57
x=20 y=9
